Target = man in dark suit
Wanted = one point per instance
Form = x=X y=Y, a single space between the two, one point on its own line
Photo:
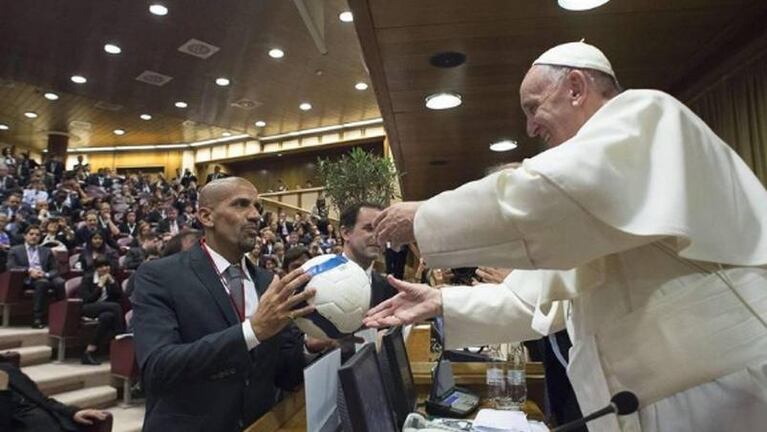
x=215 y=175
x=41 y=267
x=55 y=168
x=361 y=247
x=100 y=179
x=213 y=334
x=24 y=408
x=171 y=224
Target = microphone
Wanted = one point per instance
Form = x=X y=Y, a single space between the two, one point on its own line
x=622 y=403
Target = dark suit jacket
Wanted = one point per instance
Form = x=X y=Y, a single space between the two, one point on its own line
x=21 y=386
x=380 y=290
x=17 y=258
x=198 y=373
x=90 y=291
x=164 y=226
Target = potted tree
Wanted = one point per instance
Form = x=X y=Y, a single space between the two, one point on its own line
x=358 y=176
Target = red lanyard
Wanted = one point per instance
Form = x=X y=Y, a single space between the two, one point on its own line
x=225 y=282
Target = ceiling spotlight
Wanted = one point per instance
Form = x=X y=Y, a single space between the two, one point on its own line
x=346 y=17
x=119 y=131
x=181 y=104
x=223 y=82
x=361 y=86
x=503 y=146
x=158 y=9
x=260 y=123
x=30 y=114
x=112 y=49
x=306 y=106
x=78 y=79
x=226 y=134
x=580 y=5
x=4 y=126
x=276 y=53
x=442 y=101
x=145 y=117
x=51 y=96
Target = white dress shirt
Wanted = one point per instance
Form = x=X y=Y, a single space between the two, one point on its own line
x=251 y=296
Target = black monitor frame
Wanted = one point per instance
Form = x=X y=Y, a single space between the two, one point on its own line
x=362 y=385
x=398 y=375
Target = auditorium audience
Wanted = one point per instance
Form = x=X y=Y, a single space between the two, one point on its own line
x=101 y=297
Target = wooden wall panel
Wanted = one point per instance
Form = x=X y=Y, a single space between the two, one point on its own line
x=170 y=160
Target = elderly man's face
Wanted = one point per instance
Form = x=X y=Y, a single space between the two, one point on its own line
x=547 y=104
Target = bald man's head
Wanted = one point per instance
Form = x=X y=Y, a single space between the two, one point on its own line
x=229 y=214
x=214 y=192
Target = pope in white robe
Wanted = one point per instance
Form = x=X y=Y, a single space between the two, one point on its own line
x=639 y=231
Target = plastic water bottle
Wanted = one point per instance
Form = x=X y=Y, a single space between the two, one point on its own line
x=494 y=377
x=516 y=382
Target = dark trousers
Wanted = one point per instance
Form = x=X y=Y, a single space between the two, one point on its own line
x=42 y=287
x=110 y=319
x=36 y=420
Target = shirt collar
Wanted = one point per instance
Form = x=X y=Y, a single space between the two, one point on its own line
x=222 y=264
x=368 y=271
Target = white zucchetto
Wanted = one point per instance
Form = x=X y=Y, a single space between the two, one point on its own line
x=578 y=55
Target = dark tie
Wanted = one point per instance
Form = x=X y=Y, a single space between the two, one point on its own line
x=234 y=277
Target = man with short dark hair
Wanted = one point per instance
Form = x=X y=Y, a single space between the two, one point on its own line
x=42 y=272
x=361 y=247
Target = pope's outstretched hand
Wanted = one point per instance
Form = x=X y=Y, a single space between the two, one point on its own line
x=394 y=225
x=414 y=303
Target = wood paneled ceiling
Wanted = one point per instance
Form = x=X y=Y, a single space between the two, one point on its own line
x=652 y=44
x=43 y=43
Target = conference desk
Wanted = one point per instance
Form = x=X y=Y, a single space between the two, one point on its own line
x=290 y=414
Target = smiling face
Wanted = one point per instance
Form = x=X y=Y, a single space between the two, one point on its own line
x=359 y=240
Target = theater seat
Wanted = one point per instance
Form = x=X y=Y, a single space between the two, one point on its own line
x=65 y=320
x=122 y=356
x=12 y=293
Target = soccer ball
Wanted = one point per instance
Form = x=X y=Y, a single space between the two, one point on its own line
x=342 y=297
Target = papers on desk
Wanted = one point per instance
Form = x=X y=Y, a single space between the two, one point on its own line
x=490 y=420
x=321 y=389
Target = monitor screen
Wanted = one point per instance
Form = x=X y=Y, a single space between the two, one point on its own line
x=366 y=406
x=399 y=377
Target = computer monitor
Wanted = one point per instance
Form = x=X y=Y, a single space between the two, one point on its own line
x=364 y=406
x=398 y=377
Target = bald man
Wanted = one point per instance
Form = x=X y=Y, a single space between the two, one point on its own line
x=213 y=333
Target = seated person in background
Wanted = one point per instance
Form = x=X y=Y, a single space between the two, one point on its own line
x=142 y=232
x=58 y=204
x=84 y=233
x=94 y=248
x=101 y=296
x=54 y=238
x=170 y=226
x=5 y=239
x=129 y=226
x=137 y=254
x=295 y=257
x=41 y=268
x=150 y=254
x=182 y=241
x=24 y=408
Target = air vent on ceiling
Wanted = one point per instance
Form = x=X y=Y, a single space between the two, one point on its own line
x=198 y=48
x=107 y=106
x=82 y=125
x=246 y=104
x=154 y=78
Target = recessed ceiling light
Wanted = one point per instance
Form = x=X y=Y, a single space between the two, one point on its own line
x=223 y=82
x=4 y=126
x=580 y=5
x=51 y=96
x=346 y=16
x=502 y=146
x=260 y=123
x=30 y=114
x=441 y=101
x=279 y=154
x=145 y=117
x=276 y=53
x=361 y=86
x=181 y=104
x=78 y=79
x=119 y=131
x=306 y=106
x=158 y=9
x=226 y=134
x=112 y=49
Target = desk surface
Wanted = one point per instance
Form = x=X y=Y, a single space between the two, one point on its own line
x=290 y=414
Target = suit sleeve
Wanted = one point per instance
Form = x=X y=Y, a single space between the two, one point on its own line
x=12 y=260
x=87 y=289
x=165 y=360
x=51 y=267
x=290 y=368
x=6 y=410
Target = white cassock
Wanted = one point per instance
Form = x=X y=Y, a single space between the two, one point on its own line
x=647 y=233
